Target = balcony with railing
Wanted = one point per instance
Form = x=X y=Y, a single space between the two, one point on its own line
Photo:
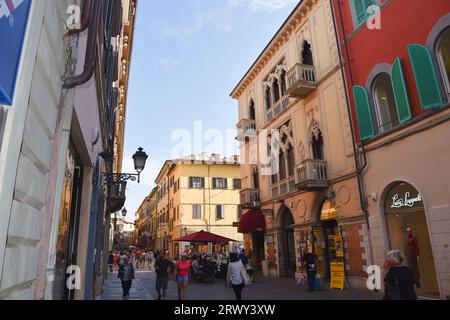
x=278 y=108
x=283 y=187
x=246 y=129
x=250 y=198
x=312 y=175
x=301 y=81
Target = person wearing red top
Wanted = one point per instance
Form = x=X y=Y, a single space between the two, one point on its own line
x=183 y=270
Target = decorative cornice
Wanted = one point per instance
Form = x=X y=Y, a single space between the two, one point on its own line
x=278 y=41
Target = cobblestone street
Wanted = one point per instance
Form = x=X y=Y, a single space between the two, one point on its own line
x=262 y=289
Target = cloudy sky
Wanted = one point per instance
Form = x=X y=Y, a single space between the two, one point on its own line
x=188 y=55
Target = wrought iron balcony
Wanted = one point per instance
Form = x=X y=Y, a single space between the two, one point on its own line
x=301 y=81
x=246 y=129
x=312 y=175
x=250 y=198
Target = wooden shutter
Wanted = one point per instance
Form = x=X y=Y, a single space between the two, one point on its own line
x=203 y=183
x=425 y=76
x=364 y=113
x=225 y=183
x=400 y=92
x=360 y=10
x=214 y=181
x=191 y=182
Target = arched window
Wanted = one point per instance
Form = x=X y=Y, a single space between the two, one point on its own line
x=256 y=178
x=252 y=112
x=385 y=107
x=443 y=58
x=317 y=146
x=307 y=57
x=268 y=98
x=291 y=161
x=283 y=83
x=276 y=90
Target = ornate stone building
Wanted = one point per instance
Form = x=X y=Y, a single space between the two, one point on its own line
x=297 y=152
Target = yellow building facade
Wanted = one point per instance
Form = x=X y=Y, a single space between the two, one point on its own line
x=195 y=196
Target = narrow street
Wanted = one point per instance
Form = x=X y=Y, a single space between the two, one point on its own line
x=262 y=289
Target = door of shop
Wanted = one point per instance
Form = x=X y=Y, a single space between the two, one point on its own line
x=408 y=232
x=325 y=246
x=288 y=243
x=67 y=242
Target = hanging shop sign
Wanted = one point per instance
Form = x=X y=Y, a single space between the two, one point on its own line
x=337 y=275
x=329 y=211
x=13 y=21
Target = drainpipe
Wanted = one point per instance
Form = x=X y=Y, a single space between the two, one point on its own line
x=90 y=59
x=359 y=168
x=85 y=18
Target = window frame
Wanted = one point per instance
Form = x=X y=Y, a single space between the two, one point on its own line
x=222 y=212
x=376 y=106
x=195 y=212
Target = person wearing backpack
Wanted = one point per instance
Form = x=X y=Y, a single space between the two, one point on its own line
x=400 y=280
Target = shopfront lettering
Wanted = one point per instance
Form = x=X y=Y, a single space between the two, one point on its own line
x=405 y=201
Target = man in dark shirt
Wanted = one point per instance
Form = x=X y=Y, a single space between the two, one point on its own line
x=162 y=268
x=309 y=260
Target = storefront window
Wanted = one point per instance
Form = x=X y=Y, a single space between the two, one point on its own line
x=408 y=232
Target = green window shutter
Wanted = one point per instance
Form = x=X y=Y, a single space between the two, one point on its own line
x=365 y=123
x=203 y=183
x=400 y=93
x=191 y=182
x=360 y=10
x=425 y=76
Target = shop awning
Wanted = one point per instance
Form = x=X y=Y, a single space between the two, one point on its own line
x=252 y=221
x=203 y=237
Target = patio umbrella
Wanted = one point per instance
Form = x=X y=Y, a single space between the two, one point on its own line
x=202 y=237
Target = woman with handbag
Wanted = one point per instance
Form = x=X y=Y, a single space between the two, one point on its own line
x=399 y=281
x=126 y=275
x=237 y=275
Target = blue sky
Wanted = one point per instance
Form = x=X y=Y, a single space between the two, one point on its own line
x=188 y=55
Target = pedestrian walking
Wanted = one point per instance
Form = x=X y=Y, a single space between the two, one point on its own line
x=400 y=280
x=126 y=275
x=183 y=270
x=244 y=258
x=163 y=267
x=150 y=259
x=111 y=262
x=237 y=275
x=309 y=260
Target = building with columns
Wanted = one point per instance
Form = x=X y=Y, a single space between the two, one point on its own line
x=300 y=187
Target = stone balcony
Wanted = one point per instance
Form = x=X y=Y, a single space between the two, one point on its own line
x=312 y=175
x=246 y=129
x=250 y=198
x=301 y=81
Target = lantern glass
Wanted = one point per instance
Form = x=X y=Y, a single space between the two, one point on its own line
x=124 y=212
x=140 y=158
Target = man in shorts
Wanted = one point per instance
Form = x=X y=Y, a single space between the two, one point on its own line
x=163 y=267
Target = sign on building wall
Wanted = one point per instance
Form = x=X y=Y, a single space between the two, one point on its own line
x=13 y=21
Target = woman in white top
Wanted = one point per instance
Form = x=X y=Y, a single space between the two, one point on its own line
x=234 y=275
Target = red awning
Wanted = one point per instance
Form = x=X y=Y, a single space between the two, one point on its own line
x=252 y=221
x=202 y=237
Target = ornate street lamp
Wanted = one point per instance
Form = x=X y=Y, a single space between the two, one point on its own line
x=124 y=212
x=139 y=158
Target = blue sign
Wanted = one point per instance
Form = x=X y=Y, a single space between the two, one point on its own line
x=13 y=22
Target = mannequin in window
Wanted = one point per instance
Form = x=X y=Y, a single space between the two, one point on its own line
x=307 y=54
x=413 y=249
